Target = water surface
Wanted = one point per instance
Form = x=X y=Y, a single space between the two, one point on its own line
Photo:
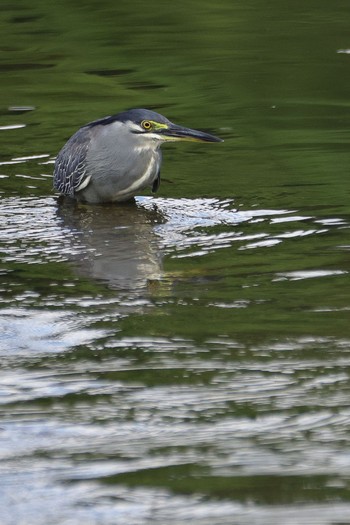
x=184 y=358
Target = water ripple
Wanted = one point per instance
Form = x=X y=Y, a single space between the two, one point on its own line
x=33 y=231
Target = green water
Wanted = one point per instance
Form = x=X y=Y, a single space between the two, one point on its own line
x=185 y=358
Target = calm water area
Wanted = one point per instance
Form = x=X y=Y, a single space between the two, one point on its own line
x=184 y=358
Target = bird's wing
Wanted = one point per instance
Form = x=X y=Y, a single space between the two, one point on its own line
x=70 y=166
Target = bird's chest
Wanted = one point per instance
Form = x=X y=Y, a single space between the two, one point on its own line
x=122 y=163
x=135 y=174
x=143 y=173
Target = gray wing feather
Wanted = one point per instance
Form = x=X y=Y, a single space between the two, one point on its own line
x=70 y=165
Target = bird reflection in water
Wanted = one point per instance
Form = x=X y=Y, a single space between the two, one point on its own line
x=116 y=244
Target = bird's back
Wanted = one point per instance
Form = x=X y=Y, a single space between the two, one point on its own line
x=70 y=166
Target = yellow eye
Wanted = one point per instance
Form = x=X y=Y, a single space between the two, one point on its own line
x=146 y=124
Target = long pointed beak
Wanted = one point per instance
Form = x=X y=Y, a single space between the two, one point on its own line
x=175 y=132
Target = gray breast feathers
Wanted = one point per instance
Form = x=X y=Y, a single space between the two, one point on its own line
x=70 y=166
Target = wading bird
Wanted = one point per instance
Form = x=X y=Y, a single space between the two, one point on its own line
x=112 y=159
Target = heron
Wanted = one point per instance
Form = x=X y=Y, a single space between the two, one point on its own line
x=112 y=159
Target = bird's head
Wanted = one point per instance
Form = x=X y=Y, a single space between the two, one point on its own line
x=150 y=126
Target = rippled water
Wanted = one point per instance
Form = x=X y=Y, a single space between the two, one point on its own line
x=183 y=358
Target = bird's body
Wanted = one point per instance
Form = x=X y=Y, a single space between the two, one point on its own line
x=114 y=158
